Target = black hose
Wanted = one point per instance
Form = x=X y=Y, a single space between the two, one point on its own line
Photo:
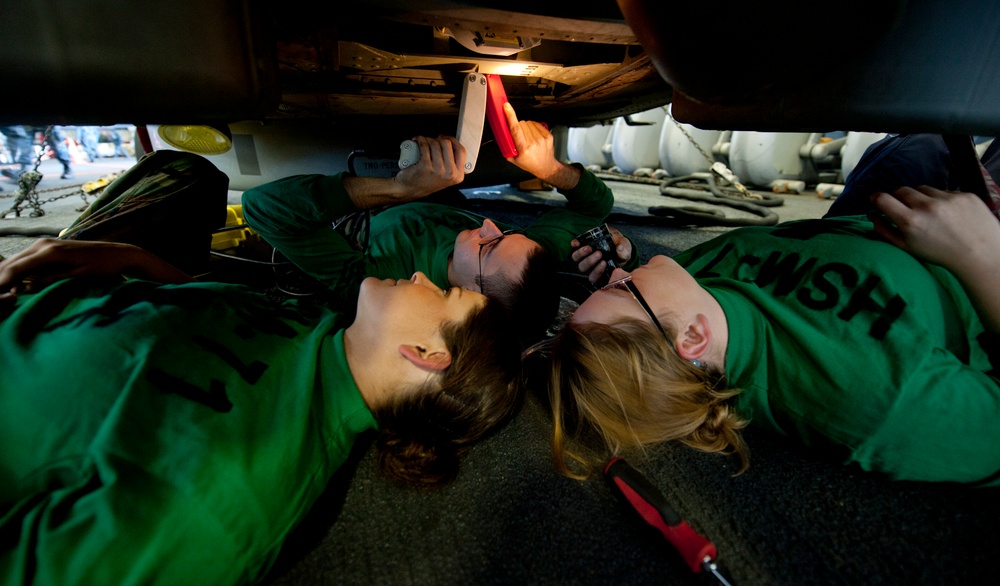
x=33 y=232
x=686 y=216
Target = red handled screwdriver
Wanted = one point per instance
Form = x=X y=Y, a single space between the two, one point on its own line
x=647 y=500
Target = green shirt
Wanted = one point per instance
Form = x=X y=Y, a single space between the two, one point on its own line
x=295 y=215
x=848 y=342
x=167 y=434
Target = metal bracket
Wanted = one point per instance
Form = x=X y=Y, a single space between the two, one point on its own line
x=471 y=119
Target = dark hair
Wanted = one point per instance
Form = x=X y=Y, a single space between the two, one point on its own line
x=533 y=301
x=425 y=433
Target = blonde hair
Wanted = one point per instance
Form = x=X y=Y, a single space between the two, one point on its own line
x=631 y=387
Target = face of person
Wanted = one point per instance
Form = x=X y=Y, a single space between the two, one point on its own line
x=412 y=307
x=507 y=256
x=663 y=283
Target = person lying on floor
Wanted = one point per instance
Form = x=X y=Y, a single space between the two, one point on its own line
x=874 y=337
x=452 y=246
x=908 y=159
x=176 y=433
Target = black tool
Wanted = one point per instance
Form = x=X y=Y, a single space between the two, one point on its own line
x=600 y=238
x=642 y=496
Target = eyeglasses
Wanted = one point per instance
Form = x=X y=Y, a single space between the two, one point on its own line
x=627 y=284
x=491 y=241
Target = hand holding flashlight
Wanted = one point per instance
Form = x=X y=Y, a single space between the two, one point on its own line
x=600 y=251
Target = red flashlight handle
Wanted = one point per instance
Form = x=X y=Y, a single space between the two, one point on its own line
x=640 y=494
x=496 y=97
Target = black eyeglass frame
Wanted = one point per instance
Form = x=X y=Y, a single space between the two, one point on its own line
x=483 y=243
x=631 y=287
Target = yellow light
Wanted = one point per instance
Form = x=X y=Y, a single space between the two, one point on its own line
x=516 y=68
x=201 y=140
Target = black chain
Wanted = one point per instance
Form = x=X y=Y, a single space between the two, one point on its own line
x=30 y=197
x=28 y=192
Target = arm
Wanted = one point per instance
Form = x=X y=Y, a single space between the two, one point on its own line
x=588 y=199
x=321 y=199
x=48 y=260
x=941 y=428
x=954 y=230
x=295 y=214
x=536 y=152
x=439 y=166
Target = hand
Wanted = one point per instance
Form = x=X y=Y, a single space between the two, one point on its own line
x=536 y=151
x=441 y=164
x=592 y=261
x=48 y=260
x=951 y=229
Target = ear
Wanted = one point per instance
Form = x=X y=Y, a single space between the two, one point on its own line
x=424 y=359
x=693 y=341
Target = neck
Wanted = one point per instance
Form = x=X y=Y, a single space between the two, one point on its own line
x=368 y=368
x=379 y=370
x=720 y=331
x=451 y=275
